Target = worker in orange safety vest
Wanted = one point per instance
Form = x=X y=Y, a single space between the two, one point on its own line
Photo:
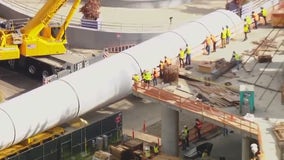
x=161 y=67
x=213 y=39
x=155 y=76
x=255 y=18
x=167 y=61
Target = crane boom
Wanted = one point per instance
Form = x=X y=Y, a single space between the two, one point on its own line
x=35 y=38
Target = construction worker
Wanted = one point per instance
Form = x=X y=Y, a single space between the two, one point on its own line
x=155 y=76
x=187 y=51
x=208 y=43
x=246 y=30
x=228 y=34
x=255 y=18
x=254 y=150
x=223 y=37
x=136 y=79
x=156 y=149
x=167 y=61
x=181 y=58
x=248 y=21
x=213 y=39
x=237 y=58
x=147 y=78
x=183 y=139
x=263 y=14
x=147 y=152
x=161 y=67
x=198 y=126
x=186 y=131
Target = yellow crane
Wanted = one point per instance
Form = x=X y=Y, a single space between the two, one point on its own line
x=38 y=47
x=35 y=38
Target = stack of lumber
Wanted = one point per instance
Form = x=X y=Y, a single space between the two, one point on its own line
x=216 y=95
x=120 y=152
x=171 y=74
x=206 y=67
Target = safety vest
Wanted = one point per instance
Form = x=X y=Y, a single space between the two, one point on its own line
x=181 y=54
x=224 y=35
x=156 y=149
x=136 y=78
x=187 y=50
x=213 y=38
x=148 y=76
x=208 y=41
x=237 y=57
x=246 y=28
x=248 y=20
x=186 y=131
x=156 y=73
x=161 y=65
x=168 y=61
x=255 y=17
x=264 y=12
x=228 y=32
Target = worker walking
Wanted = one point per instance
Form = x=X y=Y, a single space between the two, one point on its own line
x=187 y=51
x=198 y=126
x=155 y=76
x=263 y=14
x=223 y=38
x=213 y=39
x=181 y=58
x=246 y=30
x=228 y=34
x=248 y=21
x=161 y=67
x=255 y=18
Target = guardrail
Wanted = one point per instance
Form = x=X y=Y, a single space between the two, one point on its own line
x=102 y=25
x=203 y=110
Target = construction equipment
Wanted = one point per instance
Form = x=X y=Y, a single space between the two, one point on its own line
x=38 y=45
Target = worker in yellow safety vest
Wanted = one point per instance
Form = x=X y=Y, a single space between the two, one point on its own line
x=181 y=58
x=223 y=37
x=136 y=79
x=147 y=78
x=263 y=14
x=237 y=58
x=208 y=43
x=187 y=51
x=246 y=30
x=248 y=21
x=228 y=34
x=156 y=149
x=147 y=153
